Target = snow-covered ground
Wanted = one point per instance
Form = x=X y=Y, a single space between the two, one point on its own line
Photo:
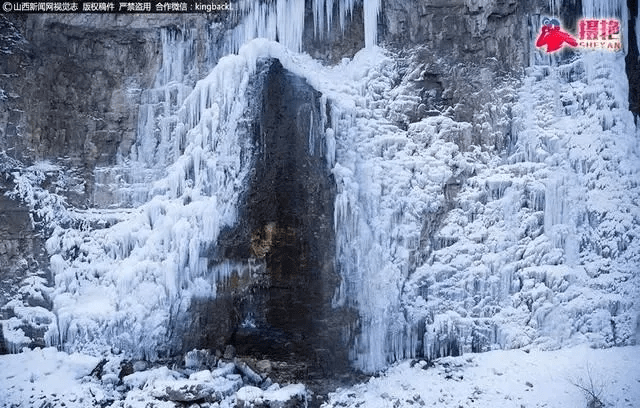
x=501 y=378
x=505 y=378
x=51 y=378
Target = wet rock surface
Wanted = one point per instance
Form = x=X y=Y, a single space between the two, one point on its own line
x=285 y=239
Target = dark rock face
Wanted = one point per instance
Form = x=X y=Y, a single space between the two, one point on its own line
x=22 y=255
x=285 y=240
x=290 y=213
x=462 y=30
x=76 y=98
x=336 y=44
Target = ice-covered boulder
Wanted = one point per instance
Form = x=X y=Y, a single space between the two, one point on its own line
x=290 y=396
x=201 y=386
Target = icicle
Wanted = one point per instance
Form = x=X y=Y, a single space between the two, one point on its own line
x=283 y=20
x=555 y=201
x=312 y=135
x=318 y=17
x=329 y=6
x=346 y=9
x=637 y=28
x=371 y=10
x=616 y=9
x=290 y=15
x=554 y=7
x=331 y=147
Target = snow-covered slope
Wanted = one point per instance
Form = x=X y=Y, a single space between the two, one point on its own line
x=552 y=379
x=555 y=379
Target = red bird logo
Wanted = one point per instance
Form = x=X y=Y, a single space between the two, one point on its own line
x=553 y=37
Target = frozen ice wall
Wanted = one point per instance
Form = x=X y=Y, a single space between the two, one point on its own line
x=122 y=275
x=127 y=183
x=609 y=9
x=448 y=247
x=540 y=246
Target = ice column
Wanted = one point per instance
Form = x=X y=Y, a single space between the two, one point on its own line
x=554 y=6
x=283 y=20
x=127 y=184
x=371 y=10
x=558 y=223
x=154 y=147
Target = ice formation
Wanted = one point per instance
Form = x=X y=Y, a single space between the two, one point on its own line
x=539 y=246
x=128 y=279
x=443 y=246
x=121 y=275
x=283 y=20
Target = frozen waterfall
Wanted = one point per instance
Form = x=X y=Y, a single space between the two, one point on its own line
x=446 y=240
x=122 y=284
